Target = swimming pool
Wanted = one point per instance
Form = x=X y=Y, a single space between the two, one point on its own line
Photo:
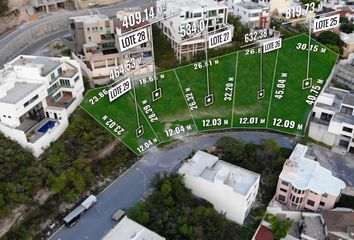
x=48 y=125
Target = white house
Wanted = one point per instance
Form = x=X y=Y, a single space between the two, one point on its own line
x=186 y=13
x=251 y=14
x=37 y=95
x=128 y=229
x=231 y=189
x=333 y=120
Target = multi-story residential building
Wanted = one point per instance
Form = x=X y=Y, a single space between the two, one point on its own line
x=332 y=120
x=304 y=184
x=37 y=95
x=47 y=4
x=127 y=229
x=207 y=17
x=348 y=39
x=94 y=42
x=231 y=189
x=253 y=15
x=344 y=73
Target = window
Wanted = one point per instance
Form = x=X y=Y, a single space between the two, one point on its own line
x=60 y=70
x=326 y=116
x=346 y=129
x=310 y=203
x=281 y=198
x=89 y=38
x=322 y=204
x=343 y=143
x=197 y=15
x=212 y=13
x=30 y=101
x=52 y=76
x=221 y=10
x=283 y=190
x=325 y=195
x=285 y=183
x=88 y=29
x=346 y=110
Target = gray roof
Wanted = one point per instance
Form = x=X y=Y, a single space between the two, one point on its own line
x=349 y=100
x=251 y=5
x=313 y=227
x=342 y=117
x=345 y=72
x=47 y=64
x=19 y=92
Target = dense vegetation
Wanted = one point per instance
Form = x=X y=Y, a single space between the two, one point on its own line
x=266 y=159
x=279 y=227
x=173 y=212
x=332 y=41
x=3 y=6
x=165 y=58
x=20 y=176
x=67 y=169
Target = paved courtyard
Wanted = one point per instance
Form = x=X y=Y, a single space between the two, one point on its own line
x=341 y=166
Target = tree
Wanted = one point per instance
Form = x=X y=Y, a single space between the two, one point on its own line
x=328 y=37
x=279 y=227
x=347 y=28
x=3 y=6
x=231 y=148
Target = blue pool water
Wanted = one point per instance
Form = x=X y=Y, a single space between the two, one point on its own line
x=48 y=125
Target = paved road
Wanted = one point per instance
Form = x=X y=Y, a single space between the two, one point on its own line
x=130 y=187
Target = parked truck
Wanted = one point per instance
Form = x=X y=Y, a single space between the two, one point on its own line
x=75 y=214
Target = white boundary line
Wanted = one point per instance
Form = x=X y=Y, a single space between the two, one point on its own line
x=184 y=96
x=148 y=122
x=271 y=93
x=234 y=93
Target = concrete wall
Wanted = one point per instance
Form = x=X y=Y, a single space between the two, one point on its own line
x=38 y=147
x=320 y=133
x=26 y=38
x=223 y=197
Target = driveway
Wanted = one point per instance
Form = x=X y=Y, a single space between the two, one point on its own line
x=131 y=186
x=340 y=165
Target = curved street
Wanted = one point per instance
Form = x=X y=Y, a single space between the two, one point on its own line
x=97 y=221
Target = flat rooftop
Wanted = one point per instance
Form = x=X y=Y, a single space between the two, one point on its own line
x=308 y=174
x=212 y=169
x=19 y=92
x=46 y=64
x=313 y=227
x=197 y=4
x=343 y=118
x=349 y=100
x=127 y=229
x=90 y=19
x=339 y=96
x=250 y=5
